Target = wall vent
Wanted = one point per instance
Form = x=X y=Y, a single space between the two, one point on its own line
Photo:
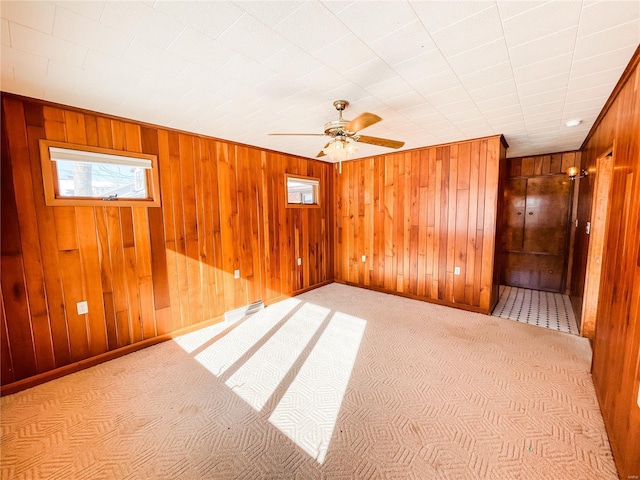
x=233 y=316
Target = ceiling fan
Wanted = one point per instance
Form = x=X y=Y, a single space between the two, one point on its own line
x=341 y=130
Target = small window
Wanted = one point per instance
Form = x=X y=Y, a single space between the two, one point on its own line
x=302 y=191
x=82 y=175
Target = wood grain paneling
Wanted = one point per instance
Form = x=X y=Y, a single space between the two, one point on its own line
x=616 y=345
x=144 y=271
x=598 y=228
x=534 y=227
x=416 y=216
x=539 y=165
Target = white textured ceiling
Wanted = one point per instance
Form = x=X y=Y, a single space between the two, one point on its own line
x=436 y=72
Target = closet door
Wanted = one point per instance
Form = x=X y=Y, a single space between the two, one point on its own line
x=535 y=232
x=546 y=216
x=515 y=203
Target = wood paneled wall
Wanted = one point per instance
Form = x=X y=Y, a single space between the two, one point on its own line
x=616 y=346
x=145 y=272
x=551 y=164
x=416 y=216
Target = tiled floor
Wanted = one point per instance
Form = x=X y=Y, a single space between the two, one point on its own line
x=544 y=309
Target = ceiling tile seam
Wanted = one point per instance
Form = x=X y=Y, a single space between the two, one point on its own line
x=492 y=66
x=495 y=5
x=31 y=28
x=529 y=10
x=575 y=46
x=337 y=40
x=104 y=7
x=55 y=19
x=86 y=49
x=607 y=53
x=99 y=18
x=617 y=70
x=351 y=32
x=177 y=37
x=10 y=36
x=220 y=69
x=471 y=97
x=244 y=12
x=300 y=5
x=555 y=76
x=344 y=7
x=606 y=29
x=537 y=39
x=528 y=65
x=512 y=73
x=49 y=63
x=409 y=59
x=402 y=27
x=450 y=67
x=262 y=63
x=158 y=12
x=126 y=50
x=272 y=29
x=480 y=70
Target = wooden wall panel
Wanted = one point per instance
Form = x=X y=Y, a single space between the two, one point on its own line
x=144 y=271
x=418 y=215
x=550 y=164
x=616 y=346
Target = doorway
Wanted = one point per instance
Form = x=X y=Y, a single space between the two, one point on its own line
x=596 y=229
x=534 y=241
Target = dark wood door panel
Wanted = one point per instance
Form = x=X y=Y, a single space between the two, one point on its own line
x=515 y=203
x=546 y=216
x=534 y=271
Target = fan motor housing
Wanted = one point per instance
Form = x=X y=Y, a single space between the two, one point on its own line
x=336 y=129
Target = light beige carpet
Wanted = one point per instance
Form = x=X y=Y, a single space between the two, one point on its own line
x=338 y=383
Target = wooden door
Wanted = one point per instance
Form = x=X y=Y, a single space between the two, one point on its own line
x=535 y=232
x=546 y=216
x=512 y=239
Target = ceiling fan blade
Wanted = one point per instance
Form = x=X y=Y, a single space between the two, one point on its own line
x=362 y=121
x=381 y=142
x=300 y=134
x=322 y=154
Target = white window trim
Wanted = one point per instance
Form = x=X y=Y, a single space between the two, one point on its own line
x=52 y=151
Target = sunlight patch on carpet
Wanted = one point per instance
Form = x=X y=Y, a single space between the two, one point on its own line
x=259 y=376
x=309 y=409
x=194 y=340
x=223 y=353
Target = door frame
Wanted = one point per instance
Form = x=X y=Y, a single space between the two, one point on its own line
x=598 y=225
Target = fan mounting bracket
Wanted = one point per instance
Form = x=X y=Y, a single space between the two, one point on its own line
x=340 y=105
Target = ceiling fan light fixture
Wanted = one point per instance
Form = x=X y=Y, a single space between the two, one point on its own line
x=341 y=131
x=340 y=149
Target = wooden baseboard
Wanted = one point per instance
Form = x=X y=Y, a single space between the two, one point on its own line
x=105 y=357
x=459 y=306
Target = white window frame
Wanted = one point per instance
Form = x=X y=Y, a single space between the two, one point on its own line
x=51 y=152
